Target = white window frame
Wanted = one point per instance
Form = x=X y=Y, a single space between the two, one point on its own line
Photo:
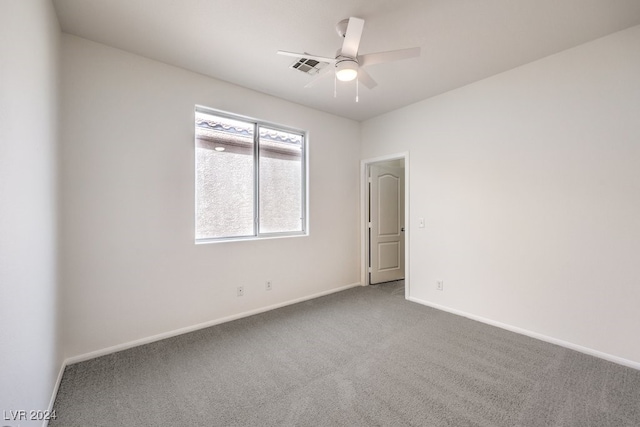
x=256 y=177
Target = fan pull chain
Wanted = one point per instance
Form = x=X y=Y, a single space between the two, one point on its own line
x=357 y=88
x=335 y=85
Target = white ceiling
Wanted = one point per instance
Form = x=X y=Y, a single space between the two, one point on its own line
x=462 y=41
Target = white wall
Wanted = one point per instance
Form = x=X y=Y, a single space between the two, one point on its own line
x=130 y=268
x=30 y=357
x=529 y=182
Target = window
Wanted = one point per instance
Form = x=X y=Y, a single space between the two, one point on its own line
x=250 y=178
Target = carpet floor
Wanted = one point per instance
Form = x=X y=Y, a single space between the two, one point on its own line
x=361 y=357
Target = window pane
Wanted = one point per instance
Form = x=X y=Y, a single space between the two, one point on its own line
x=281 y=181
x=224 y=177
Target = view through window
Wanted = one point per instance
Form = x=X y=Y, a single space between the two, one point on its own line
x=250 y=178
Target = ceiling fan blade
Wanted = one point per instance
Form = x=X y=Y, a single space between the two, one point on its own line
x=321 y=75
x=366 y=79
x=389 y=56
x=308 y=56
x=352 y=37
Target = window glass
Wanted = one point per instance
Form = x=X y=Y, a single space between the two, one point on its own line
x=224 y=177
x=250 y=178
x=280 y=192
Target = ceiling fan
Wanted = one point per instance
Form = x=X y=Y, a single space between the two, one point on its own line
x=348 y=65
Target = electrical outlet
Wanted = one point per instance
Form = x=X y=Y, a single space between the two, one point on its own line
x=439 y=285
x=268 y=285
x=240 y=291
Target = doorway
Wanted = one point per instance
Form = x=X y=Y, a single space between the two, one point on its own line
x=385 y=212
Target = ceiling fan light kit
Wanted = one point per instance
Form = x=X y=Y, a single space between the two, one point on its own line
x=348 y=65
x=346 y=70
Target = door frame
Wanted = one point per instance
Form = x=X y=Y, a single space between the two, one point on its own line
x=364 y=222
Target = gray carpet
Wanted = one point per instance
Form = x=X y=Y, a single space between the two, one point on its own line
x=362 y=357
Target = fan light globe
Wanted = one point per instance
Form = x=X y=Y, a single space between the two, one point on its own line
x=346 y=70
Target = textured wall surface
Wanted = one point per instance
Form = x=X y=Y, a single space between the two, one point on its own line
x=528 y=182
x=130 y=266
x=30 y=358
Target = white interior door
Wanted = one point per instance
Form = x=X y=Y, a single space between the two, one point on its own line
x=386 y=226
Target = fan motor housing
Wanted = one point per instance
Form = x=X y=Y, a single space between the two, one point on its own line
x=341 y=27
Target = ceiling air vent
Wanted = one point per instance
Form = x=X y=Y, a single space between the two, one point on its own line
x=309 y=66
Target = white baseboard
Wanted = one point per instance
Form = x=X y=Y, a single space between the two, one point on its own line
x=176 y=332
x=131 y=344
x=541 y=337
x=54 y=393
x=158 y=337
